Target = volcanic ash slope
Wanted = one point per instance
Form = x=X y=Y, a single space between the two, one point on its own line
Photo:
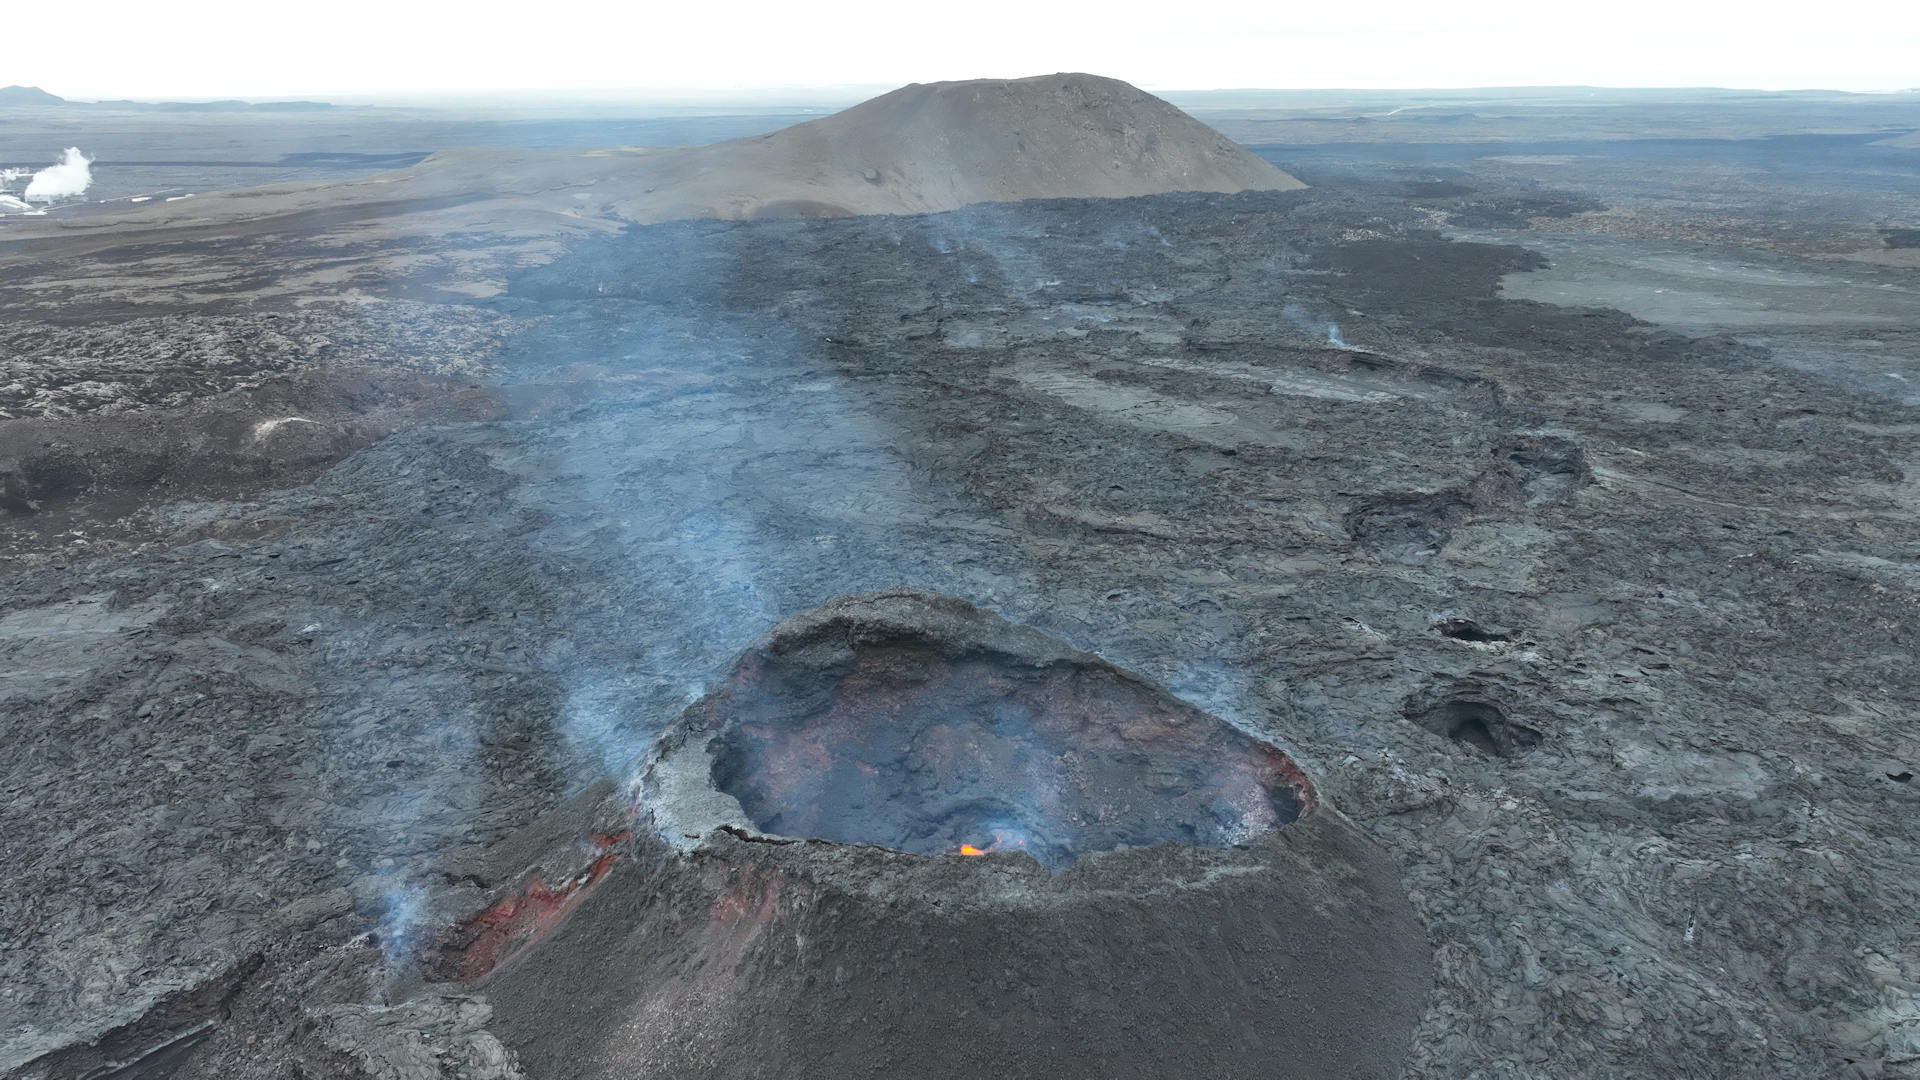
x=941 y=146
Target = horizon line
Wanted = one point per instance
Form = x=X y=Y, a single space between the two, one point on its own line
x=688 y=95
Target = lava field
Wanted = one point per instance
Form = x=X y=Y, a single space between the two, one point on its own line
x=1427 y=681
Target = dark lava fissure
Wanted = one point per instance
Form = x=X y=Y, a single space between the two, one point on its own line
x=923 y=753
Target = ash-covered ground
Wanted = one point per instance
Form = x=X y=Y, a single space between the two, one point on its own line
x=1602 y=627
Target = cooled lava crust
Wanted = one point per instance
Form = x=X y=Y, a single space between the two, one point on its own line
x=908 y=838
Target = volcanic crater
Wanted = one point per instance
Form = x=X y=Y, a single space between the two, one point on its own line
x=901 y=744
x=1150 y=879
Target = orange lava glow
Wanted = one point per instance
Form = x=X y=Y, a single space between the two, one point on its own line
x=969 y=849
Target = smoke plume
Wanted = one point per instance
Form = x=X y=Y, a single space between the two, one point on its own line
x=63 y=180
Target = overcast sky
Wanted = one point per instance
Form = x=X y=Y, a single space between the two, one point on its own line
x=217 y=48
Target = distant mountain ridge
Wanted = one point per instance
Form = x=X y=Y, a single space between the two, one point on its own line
x=32 y=97
x=230 y=105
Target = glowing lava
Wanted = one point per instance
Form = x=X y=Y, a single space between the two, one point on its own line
x=1002 y=838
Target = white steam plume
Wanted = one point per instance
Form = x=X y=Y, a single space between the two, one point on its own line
x=64 y=180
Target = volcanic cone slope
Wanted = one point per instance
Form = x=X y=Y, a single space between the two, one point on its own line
x=1270 y=939
x=941 y=146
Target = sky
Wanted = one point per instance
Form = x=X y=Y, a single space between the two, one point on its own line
x=245 y=48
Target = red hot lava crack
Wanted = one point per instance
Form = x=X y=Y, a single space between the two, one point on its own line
x=481 y=943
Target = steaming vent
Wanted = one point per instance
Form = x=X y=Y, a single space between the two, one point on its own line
x=912 y=737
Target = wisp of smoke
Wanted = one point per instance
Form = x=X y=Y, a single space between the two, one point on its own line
x=404 y=905
x=1297 y=315
x=63 y=180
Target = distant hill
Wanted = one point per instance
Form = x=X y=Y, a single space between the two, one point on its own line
x=17 y=97
x=938 y=146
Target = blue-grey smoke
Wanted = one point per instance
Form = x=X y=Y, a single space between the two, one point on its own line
x=730 y=482
x=401 y=909
x=1012 y=255
x=1297 y=314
